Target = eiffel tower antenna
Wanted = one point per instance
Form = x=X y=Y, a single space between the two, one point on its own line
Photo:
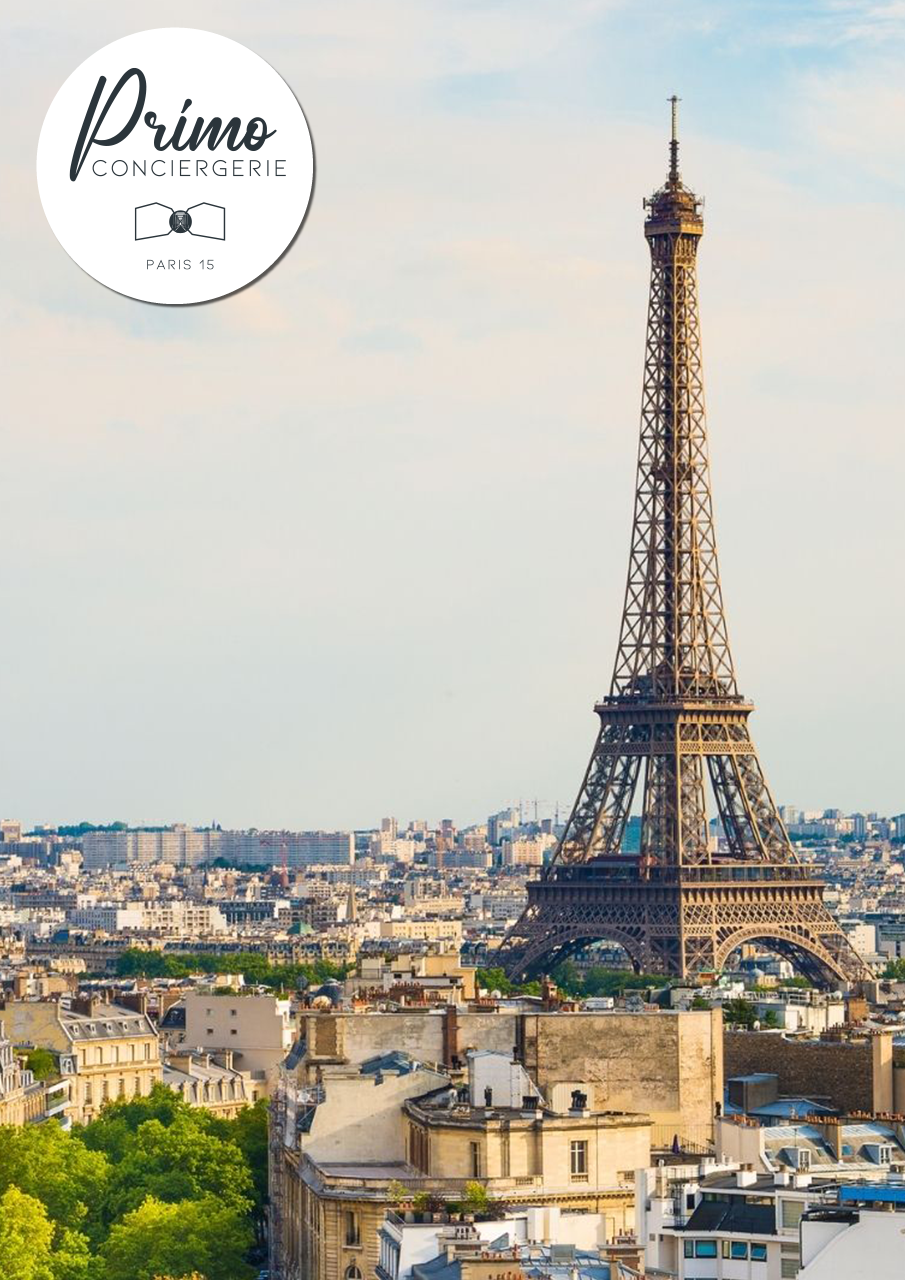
x=674 y=719
x=674 y=141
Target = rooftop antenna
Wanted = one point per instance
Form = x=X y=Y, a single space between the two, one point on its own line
x=674 y=140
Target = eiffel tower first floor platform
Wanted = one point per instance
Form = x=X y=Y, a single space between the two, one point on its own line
x=681 y=920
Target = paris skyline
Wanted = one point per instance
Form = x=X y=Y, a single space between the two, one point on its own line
x=355 y=539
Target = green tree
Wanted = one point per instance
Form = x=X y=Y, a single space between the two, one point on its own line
x=72 y=1258
x=42 y=1063
x=600 y=981
x=119 y=1120
x=254 y=967
x=26 y=1236
x=179 y=1162
x=739 y=1013
x=494 y=979
x=476 y=1199
x=895 y=969
x=27 y=1249
x=46 y=1162
x=249 y=1132
x=158 y=1239
x=769 y=1021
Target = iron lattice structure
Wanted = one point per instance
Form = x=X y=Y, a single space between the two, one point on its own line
x=674 y=717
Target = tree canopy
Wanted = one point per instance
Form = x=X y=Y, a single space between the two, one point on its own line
x=171 y=1239
x=254 y=967
x=46 y=1162
x=152 y=1189
x=32 y=1249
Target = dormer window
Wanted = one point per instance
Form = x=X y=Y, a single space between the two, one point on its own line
x=804 y=1160
x=884 y=1155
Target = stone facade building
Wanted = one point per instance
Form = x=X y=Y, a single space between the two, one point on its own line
x=257 y=1030
x=378 y=1111
x=21 y=1097
x=107 y=1051
x=209 y=1081
x=366 y=1142
x=666 y=1065
x=851 y=1071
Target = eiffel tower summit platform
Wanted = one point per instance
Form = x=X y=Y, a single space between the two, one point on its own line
x=674 y=726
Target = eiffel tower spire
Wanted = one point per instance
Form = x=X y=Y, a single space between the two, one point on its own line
x=674 y=720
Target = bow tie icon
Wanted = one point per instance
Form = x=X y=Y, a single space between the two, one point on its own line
x=207 y=220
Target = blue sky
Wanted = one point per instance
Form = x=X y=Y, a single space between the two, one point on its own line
x=353 y=541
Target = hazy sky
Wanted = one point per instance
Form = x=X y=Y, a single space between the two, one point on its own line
x=353 y=541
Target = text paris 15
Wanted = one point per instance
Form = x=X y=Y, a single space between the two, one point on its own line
x=177 y=264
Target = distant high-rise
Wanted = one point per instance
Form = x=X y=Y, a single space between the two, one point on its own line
x=186 y=847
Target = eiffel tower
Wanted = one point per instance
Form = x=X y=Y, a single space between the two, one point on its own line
x=674 y=713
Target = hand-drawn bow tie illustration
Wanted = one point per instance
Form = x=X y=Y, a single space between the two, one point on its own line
x=207 y=220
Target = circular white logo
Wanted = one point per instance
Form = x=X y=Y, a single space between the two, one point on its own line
x=175 y=166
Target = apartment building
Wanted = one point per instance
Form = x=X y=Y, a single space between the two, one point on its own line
x=859 y=1237
x=427 y=929
x=371 y=1139
x=183 y=846
x=257 y=1030
x=666 y=1064
x=20 y=1096
x=108 y=1051
x=210 y=1081
x=180 y=846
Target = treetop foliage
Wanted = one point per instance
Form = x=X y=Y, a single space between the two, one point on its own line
x=254 y=967
x=150 y=1190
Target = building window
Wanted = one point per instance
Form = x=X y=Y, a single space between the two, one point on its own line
x=791 y=1214
x=705 y=1248
x=735 y=1249
x=578 y=1158
x=804 y=1158
x=789 y=1262
x=232 y=1031
x=353 y=1273
x=688 y=1249
x=758 y=1253
x=475 y=1159
x=353 y=1234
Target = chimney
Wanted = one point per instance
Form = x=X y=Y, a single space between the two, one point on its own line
x=832 y=1131
x=579 y=1103
x=745 y=1176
